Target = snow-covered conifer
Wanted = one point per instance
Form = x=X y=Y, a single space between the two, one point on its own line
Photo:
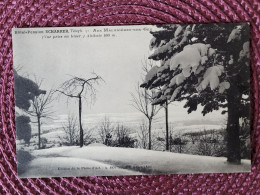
x=207 y=65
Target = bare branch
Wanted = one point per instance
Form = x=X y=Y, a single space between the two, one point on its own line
x=69 y=95
x=77 y=87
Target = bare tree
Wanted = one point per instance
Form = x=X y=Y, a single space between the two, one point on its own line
x=41 y=107
x=142 y=101
x=123 y=138
x=211 y=143
x=142 y=135
x=106 y=130
x=77 y=87
x=71 y=131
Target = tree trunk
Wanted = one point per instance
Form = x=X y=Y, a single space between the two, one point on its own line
x=80 y=125
x=233 y=141
x=39 y=131
x=149 y=133
x=166 y=126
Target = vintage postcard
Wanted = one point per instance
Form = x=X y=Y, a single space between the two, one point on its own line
x=132 y=100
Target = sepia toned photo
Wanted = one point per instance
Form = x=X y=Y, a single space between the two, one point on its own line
x=132 y=100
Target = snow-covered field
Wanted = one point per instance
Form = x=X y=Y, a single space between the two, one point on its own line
x=98 y=160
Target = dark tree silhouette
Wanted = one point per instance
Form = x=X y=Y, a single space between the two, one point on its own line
x=26 y=91
x=77 y=87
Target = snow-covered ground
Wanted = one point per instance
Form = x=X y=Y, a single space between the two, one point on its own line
x=107 y=161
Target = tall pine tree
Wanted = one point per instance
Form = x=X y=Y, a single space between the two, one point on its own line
x=206 y=64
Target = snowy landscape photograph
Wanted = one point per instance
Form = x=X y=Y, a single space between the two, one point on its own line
x=132 y=100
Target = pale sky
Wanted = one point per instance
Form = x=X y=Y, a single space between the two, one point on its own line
x=118 y=60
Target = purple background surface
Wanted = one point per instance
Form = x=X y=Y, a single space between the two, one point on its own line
x=42 y=13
